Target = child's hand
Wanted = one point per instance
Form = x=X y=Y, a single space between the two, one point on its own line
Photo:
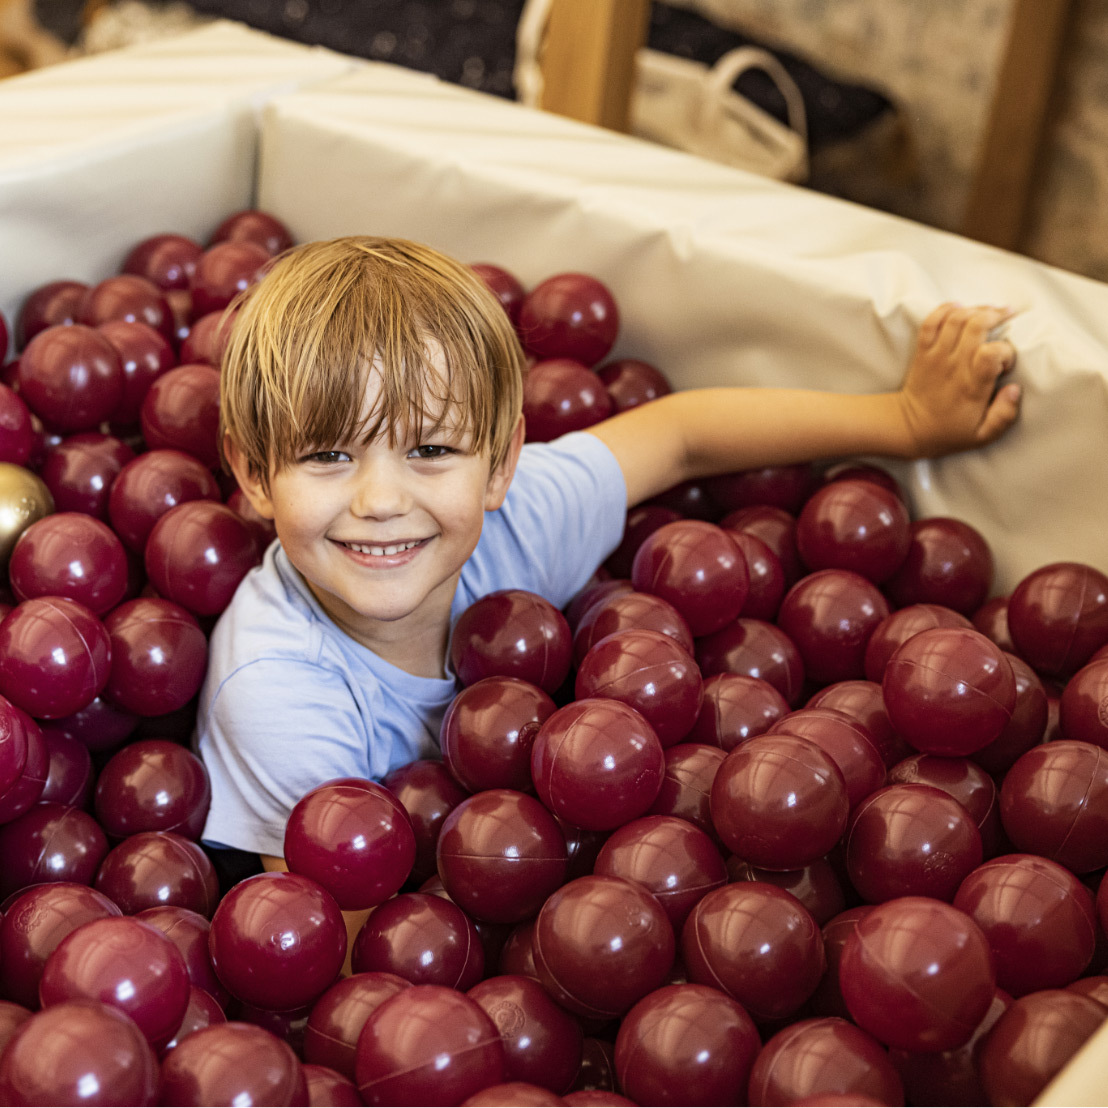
x=947 y=397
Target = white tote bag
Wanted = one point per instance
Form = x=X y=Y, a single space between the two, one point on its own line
x=686 y=105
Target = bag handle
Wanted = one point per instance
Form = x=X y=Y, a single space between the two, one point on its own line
x=723 y=74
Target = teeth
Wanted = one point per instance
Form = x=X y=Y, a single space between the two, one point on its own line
x=382 y=551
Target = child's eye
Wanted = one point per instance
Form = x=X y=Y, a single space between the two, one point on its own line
x=430 y=452
x=327 y=457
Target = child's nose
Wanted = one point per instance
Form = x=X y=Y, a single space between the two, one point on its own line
x=379 y=494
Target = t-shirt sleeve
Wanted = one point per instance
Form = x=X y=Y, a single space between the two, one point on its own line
x=273 y=731
x=563 y=515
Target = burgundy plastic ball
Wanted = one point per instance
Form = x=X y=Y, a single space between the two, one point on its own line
x=689 y=499
x=422 y=938
x=827 y=1000
x=145 y=356
x=277 y=941
x=500 y=855
x=69 y=777
x=159 y=655
x=150 y=486
x=917 y=974
x=79 y=472
x=98 y=725
x=1032 y=1041
x=1054 y=802
x=1095 y=987
x=54 y=656
x=542 y=1042
x=598 y=587
x=735 y=708
x=601 y=944
x=28 y=787
x=125 y=963
x=79 y=1052
x=776 y=528
x=71 y=377
x=820 y=1058
x=686 y=1044
x=196 y=555
x=131 y=299
x=863 y=701
x=690 y=769
x=222 y=272
x=627 y=611
x=51 y=305
x=758 y=944
x=338 y=1016
x=631 y=382
x=153 y=868
x=488 y=730
x=1026 y=728
x=188 y=931
x=256 y=226
x=263 y=530
x=50 y=842
x=647 y=671
x=503 y=285
x=208 y=337
x=675 y=861
x=512 y=633
x=181 y=412
x=153 y=785
x=949 y=691
x=845 y=741
x=754 y=648
x=779 y=802
x=232 y=1063
x=17 y=435
x=767 y=578
x=354 y=838
x=597 y=764
x=697 y=567
x=642 y=521
x=948 y=563
x=167 y=260
x=561 y=395
x=911 y=840
x=962 y=779
x=786 y=487
x=14 y=744
x=202 y=1010
x=856 y=526
x=1058 y=617
x=429 y=793
x=900 y=626
x=328 y=1089
x=33 y=926
x=1039 y=919
x=570 y=315
x=991 y=619
x=1083 y=711
x=73 y=555
x=830 y=615
x=816 y=886
x=12 y=1018
x=428 y=1045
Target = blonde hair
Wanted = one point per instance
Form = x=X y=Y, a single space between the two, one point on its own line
x=306 y=338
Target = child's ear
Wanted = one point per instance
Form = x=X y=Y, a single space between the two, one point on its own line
x=501 y=477
x=248 y=481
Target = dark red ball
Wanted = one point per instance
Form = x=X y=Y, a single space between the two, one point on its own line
x=1083 y=711
x=61 y=1053
x=500 y=855
x=601 y=944
x=561 y=395
x=50 y=842
x=784 y=487
x=51 y=305
x=570 y=315
x=625 y=611
x=735 y=708
x=28 y=787
x=631 y=382
x=256 y=226
x=690 y=769
x=779 y=802
x=188 y=931
x=754 y=648
x=145 y=356
x=686 y=1044
x=597 y=764
x=79 y=472
x=776 y=528
x=354 y=838
x=154 y=868
x=817 y=886
x=488 y=730
x=767 y=577
x=70 y=776
x=181 y=412
x=196 y=555
x=917 y=974
x=167 y=260
x=758 y=944
x=54 y=656
x=130 y=298
x=512 y=633
x=428 y=1045
x=17 y=434
x=222 y=272
x=424 y=939
x=429 y=793
x=698 y=568
x=948 y=563
x=503 y=285
x=898 y=627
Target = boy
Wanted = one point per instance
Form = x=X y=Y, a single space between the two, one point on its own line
x=371 y=409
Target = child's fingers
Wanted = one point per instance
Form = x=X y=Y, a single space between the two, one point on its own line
x=931 y=327
x=1001 y=414
x=981 y=322
x=992 y=359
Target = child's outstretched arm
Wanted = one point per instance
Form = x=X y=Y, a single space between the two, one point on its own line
x=947 y=402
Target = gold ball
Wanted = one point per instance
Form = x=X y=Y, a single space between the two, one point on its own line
x=24 y=498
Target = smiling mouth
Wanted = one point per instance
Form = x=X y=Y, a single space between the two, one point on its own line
x=383 y=551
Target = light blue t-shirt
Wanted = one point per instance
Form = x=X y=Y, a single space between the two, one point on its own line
x=290 y=701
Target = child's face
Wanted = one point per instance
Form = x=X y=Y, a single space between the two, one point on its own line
x=380 y=532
